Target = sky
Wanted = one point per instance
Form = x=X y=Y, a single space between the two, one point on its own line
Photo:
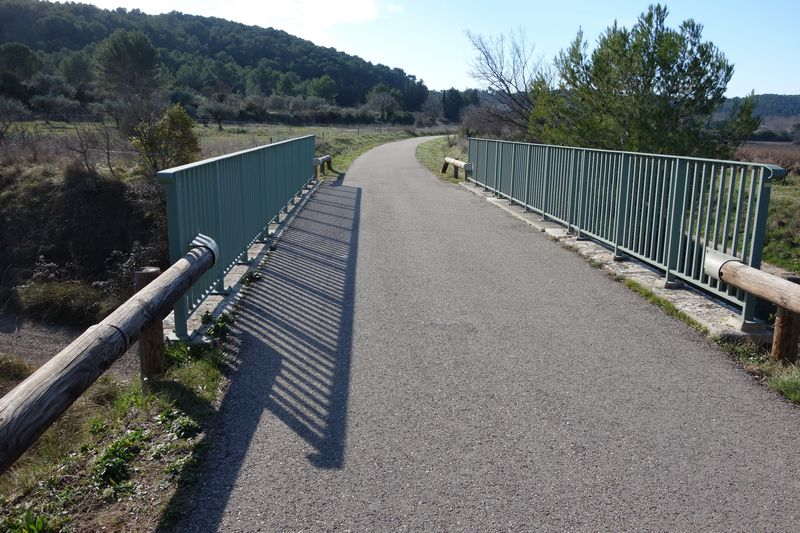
x=427 y=38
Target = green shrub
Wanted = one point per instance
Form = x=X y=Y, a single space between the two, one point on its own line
x=168 y=142
x=112 y=467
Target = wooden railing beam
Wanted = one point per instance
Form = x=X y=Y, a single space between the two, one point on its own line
x=33 y=405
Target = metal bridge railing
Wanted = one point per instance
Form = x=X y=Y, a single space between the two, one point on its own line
x=663 y=210
x=233 y=199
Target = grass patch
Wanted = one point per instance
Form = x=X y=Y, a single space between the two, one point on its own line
x=665 y=305
x=73 y=302
x=782 y=378
x=782 y=246
x=343 y=144
x=432 y=153
x=115 y=458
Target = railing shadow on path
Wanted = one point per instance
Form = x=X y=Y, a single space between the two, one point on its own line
x=293 y=336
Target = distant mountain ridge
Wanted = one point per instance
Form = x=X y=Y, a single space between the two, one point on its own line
x=769 y=105
x=200 y=51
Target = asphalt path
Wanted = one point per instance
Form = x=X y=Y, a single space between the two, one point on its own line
x=417 y=359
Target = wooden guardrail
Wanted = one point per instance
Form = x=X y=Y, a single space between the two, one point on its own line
x=457 y=164
x=784 y=293
x=321 y=162
x=33 y=405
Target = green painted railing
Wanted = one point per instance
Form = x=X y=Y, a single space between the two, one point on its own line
x=233 y=199
x=661 y=209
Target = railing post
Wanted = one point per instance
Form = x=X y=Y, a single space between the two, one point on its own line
x=786 y=334
x=675 y=226
x=546 y=182
x=621 y=210
x=582 y=196
x=527 y=177
x=513 y=170
x=176 y=237
x=756 y=248
x=151 y=339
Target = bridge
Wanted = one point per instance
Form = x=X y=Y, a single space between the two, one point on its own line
x=413 y=358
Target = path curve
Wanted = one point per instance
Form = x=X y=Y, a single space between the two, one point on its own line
x=416 y=359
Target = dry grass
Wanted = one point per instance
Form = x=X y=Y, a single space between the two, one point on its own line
x=783 y=226
x=786 y=155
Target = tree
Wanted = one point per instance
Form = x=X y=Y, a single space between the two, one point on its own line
x=167 y=143
x=383 y=100
x=128 y=70
x=432 y=108
x=218 y=109
x=323 y=87
x=452 y=103
x=11 y=111
x=127 y=64
x=649 y=89
x=287 y=84
x=262 y=80
x=76 y=68
x=507 y=66
x=19 y=60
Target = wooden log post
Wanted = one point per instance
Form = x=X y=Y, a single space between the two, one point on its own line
x=457 y=164
x=782 y=292
x=786 y=335
x=30 y=407
x=151 y=339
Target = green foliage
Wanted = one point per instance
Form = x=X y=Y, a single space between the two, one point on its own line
x=781 y=105
x=220 y=328
x=452 y=103
x=167 y=143
x=19 y=60
x=787 y=383
x=28 y=522
x=200 y=53
x=650 y=88
x=782 y=247
x=77 y=69
x=323 y=87
x=127 y=63
x=112 y=467
x=11 y=110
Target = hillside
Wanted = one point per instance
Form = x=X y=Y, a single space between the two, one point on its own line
x=200 y=55
x=769 y=105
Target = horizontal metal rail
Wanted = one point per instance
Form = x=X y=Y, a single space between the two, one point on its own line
x=661 y=209
x=33 y=405
x=232 y=198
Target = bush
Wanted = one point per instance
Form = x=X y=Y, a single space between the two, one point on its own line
x=167 y=143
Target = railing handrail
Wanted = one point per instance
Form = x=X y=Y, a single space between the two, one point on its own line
x=658 y=208
x=164 y=173
x=34 y=404
x=236 y=198
x=776 y=171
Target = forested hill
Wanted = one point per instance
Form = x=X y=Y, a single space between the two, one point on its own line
x=202 y=53
x=769 y=105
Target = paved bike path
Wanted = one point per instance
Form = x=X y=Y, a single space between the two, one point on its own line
x=416 y=359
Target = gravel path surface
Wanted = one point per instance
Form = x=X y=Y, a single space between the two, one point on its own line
x=416 y=359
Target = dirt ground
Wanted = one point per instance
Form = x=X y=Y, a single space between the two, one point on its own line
x=35 y=343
